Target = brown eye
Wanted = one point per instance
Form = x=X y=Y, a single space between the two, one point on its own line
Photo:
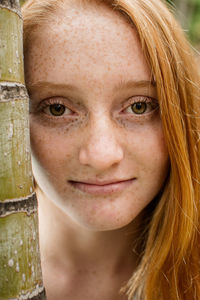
x=57 y=109
x=139 y=107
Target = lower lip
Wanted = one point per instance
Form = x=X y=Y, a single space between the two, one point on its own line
x=102 y=189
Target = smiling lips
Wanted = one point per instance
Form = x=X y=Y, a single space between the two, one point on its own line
x=101 y=188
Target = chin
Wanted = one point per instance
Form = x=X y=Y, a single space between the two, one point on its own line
x=103 y=223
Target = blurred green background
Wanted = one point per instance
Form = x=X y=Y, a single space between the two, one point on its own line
x=188 y=14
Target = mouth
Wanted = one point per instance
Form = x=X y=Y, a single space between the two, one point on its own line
x=101 y=188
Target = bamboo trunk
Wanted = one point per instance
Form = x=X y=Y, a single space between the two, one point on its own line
x=20 y=269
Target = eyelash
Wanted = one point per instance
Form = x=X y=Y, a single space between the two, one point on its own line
x=52 y=101
x=151 y=103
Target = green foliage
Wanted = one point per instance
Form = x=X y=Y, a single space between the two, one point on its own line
x=188 y=14
x=195 y=24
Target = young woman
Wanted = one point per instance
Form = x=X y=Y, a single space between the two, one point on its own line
x=114 y=96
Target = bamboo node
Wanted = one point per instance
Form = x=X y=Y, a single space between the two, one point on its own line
x=12 y=5
x=12 y=91
x=28 y=205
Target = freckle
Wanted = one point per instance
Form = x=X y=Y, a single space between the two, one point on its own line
x=66 y=129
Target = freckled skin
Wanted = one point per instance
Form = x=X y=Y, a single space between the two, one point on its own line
x=94 y=50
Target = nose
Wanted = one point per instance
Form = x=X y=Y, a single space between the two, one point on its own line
x=101 y=148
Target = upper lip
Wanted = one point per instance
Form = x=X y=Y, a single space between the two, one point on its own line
x=100 y=182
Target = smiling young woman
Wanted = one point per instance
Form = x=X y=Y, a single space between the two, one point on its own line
x=114 y=95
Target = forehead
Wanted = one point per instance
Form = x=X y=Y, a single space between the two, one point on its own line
x=92 y=40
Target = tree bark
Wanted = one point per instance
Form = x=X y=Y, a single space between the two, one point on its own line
x=20 y=268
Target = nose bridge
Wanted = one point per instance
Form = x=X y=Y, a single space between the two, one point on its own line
x=101 y=130
x=101 y=148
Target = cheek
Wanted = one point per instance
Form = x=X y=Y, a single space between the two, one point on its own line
x=157 y=149
x=148 y=149
x=50 y=148
x=156 y=161
x=151 y=143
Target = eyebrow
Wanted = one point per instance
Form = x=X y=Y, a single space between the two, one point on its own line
x=121 y=85
x=49 y=85
x=135 y=84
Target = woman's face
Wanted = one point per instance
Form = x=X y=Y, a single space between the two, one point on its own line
x=96 y=135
